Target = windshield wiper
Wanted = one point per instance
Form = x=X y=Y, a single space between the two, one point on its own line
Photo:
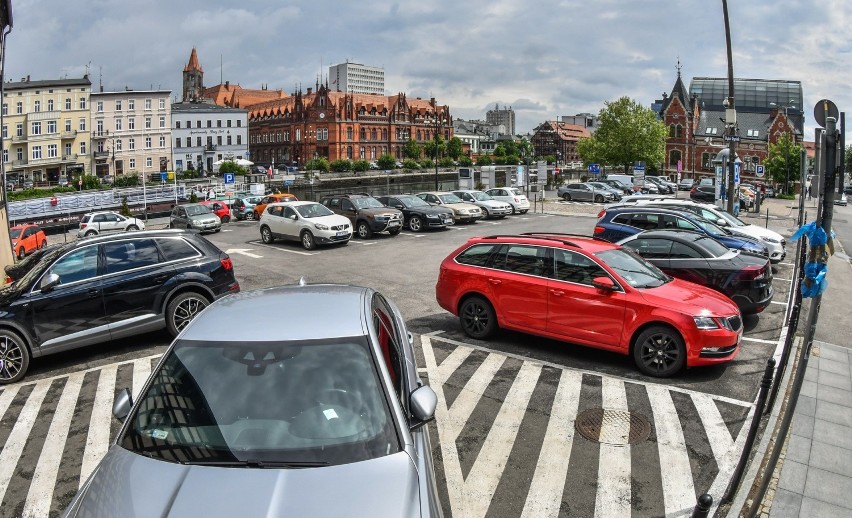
x=254 y=463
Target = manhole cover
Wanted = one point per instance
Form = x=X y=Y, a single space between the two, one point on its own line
x=612 y=426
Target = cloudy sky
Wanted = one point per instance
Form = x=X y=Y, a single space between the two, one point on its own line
x=545 y=58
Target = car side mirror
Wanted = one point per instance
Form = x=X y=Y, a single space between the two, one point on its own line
x=604 y=284
x=123 y=403
x=400 y=207
x=423 y=402
x=294 y=217
x=49 y=282
x=722 y=222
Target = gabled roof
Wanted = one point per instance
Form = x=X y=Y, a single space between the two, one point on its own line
x=564 y=131
x=193 y=62
x=679 y=92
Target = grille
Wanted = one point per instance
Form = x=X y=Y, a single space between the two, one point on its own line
x=340 y=227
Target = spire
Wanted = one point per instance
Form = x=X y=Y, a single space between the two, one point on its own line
x=193 y=62
x=678 y=66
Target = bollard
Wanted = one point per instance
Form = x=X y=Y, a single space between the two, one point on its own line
x=702 y=508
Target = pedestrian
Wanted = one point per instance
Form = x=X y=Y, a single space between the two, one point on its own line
x=808 y=184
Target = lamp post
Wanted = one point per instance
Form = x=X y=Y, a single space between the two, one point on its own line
x=438 y=122
x=787 y=147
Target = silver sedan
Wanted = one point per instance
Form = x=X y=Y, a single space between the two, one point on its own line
x=267 y=403
x=584 y=192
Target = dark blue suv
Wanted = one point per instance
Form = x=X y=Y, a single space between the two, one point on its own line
x=619 y=223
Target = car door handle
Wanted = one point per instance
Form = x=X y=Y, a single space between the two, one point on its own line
x=94 y=293
x=161 y=278
x=558 y=293
x=495 y=282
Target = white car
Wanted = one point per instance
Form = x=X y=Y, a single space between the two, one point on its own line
x=492 y=208
x=511 y=195
x=95 y=223
x=774 y=241
x=309 y=222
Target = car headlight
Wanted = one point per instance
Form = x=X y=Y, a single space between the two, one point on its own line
x=462 y=211
x=770 y=240
x=320 y=226
x=705 y=323
x=431 y=216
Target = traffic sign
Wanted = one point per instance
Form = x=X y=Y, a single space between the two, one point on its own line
x=164 y=176
x=595 y=168
x=229 y=178
x=759 y=170
x=288 y=183
x=733 y=138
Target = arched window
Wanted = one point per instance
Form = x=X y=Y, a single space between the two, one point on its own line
x=384 y=134
x=418 y=135
x=349 y=133
x=373 y=134
x=363 y=134
x=674 y=157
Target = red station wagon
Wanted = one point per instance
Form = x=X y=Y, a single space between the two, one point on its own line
x=590 y=292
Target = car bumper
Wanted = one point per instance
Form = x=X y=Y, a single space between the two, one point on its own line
x=467 y=218
x=207 y=227
x=329 y=239
x=439 y=223
x=714 y=347
x=500 y=212
x=381 y=226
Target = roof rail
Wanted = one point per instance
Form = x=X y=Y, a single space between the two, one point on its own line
x=537 y=236
x=596 y=238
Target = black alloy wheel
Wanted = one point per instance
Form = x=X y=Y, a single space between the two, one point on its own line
x=659 y=351
x=599 y=198
x=182 y=309
x=566 y=196
x=14 y=357
x=477 y=318
x=250 y=215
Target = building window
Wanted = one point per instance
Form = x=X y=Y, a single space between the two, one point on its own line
x=5 y=109
x=131 y=163
x=50 y=105
x=118 y=125
x=373 y=134
x=19 y=108
x=131 y=104
x=147 y=142
x=19 y=129
x=753 y=133
x=209 y=123
x=131 y=123
x=349 y=134
x=5 y=131
x=5 y=155
x=162 y=121
x=100 y=106
x=36 y=128
x=361 y=155
x=198 y=124
x=82 y=125
x=52 y=150
x=384 y=134
x=239 y=140
x=162 y=104
x=51 y=127
x=149 y=161
x=218 y=123
x=37 y=106
x=131 y=143
x=118 y=144
x=68 y=149
x=147 y=104
x=82 y=148
x=118 y=105
x=710 y=131
x=147 y=122
x=229 y=140
x=83 y=103
x=239 y=123
x=67 y=125
x=177 y=124
x=162 y=141
x=349 y=152
x=674 y=157
x=363 y=135
x=218 y=140
x=229 y=123
x=36 y=152
x=177 y=142
x=67 y=104
x=198 y=141
x=20 y=153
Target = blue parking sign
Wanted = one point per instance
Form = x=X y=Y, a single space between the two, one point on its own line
x=229 y=177
x=595 y=168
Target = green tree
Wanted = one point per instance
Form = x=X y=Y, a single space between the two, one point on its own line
x=229 y=166
x=318 y=164
x=412 y=149
x=627 y=132
x=409 y=163
x=483 y=160
x=454 y=148
x=429 y=147
x=511 y=148
x=499 y=151
x=360 y=166
x=427 y=163
x=447 y=162
x=386 y=161
x=342 y=165
x=783 y=159
x=89 y=181
x=512 y=159
x=465 y=161
x=125 y=209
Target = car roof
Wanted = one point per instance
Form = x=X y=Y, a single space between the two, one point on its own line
x=650 y=208
x=589 y=244
x=303 y=312
x=139 y=234
x=294 y=203
x=673 y=233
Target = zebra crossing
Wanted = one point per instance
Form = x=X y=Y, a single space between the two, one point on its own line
x=506 y=437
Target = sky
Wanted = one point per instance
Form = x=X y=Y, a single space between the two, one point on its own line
x=544 y=58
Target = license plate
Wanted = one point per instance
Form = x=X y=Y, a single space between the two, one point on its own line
x=342 y=233
x=393 y=224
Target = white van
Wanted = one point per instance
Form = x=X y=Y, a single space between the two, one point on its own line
x=626 y=179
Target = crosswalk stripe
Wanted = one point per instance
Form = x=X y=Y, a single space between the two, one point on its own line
x=545 y=493
x=451 y=363
x=678 y=487
x=97 y=440
x=613 y=495
x=471 y=394
x=141 y=371
x=18 y=437
x=43 y=482
x=488 y=467
x=717 y=432
x=6 y=398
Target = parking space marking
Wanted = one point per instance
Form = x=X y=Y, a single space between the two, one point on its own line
x=409 y=234
x=778 y=302
x=780 y=279
x=760 y=340
x=261 y=243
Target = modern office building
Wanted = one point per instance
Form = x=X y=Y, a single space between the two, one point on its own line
x=46 y=129
x=504 y=118
x=131 y=132
x=203 y=133
x=355 y=78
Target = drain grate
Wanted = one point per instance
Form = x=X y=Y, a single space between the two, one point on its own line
x=612 y=426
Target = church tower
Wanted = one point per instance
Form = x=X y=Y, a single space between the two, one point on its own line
x=193 y=78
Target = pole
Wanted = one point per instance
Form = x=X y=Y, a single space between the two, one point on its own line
x=6 y=256
x=730 y=116
x=437 y=129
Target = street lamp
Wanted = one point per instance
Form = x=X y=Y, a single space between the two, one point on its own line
x=439 y=121
x=786 y=106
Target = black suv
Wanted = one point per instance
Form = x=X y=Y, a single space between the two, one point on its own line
x=366 y=213
x=418 y=213
x=106 y=288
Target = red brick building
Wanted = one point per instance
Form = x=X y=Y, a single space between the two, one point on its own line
x=558 y=139
x=339 y=125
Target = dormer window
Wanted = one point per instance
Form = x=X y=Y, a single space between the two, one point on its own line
x=752 y=133
x=711 y=131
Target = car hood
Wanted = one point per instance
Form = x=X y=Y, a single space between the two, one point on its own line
x=204 y=218
x=757 y=230
x=380 y=211
x=497 y=204
x=461 y=206
x=127 y=484
x=702 y=301
x=433 y=209
x=331 y=220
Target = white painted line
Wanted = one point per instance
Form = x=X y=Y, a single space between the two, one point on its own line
x=260 y=243
x=43 y=482
x=20 y=433
x=759 y=340
x=141 y=371
x=778 y=302
x=451 y=363
x=6 y=398
x=471 y=393
x=613 y=495
x=97 y=440
x=678 y=487
x=410 y=234
x=717 y=432
x=780 y=279
x=482 y=480
x=544 y=497
x=243 y=251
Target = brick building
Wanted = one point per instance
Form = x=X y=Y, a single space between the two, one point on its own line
x=340 y=125
x=558 y=139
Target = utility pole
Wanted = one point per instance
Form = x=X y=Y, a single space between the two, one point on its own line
x=730 y=119
x=6 y=256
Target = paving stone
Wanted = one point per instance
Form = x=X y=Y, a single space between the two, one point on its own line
x=831 y=379
x=834 y=366
x=809 y=388
x=832 y=433
x=806 y=405
x=829 y=352
x=828 y=487
x=830 y=458
x=786 y=504
x=799 y=449
x=815 y=509
x=803 y=425
x=834 y=395
x=793 y=477
x=811 y=374
x=834 y=413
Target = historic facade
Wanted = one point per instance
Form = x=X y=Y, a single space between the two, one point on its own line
x=339 y=125
x=203 y=133
x=558 y=139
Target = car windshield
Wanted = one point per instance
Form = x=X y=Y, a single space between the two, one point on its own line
x=480 y=196
x=259 y=404
x=197 y=210
x=635 y=271
x=412 y=201
x=313 y=210
x=14 y=232
x=367 y=203
x=449 y=198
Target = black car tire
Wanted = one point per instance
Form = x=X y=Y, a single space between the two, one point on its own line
x=14 y=353
x=477 y=317
x=415 y=223
x=659 y=351
x=599 y=198
x=89 y=233
x=363 y=229
x=22 y=253
x=250 y=216
x=182 y=309
x=266 y=235
x=189 y=227
x=566 y=196
x=226 y=219
x=218 y=229
x=395 y=231
x=308 y=240
x=132 y=228
x=524 y=211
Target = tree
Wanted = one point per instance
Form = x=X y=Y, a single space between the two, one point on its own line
x=125 y=209
x=783 y=159
x=341 y=165
x=511 y=148
x=412 y=149
x=429 y=147
x=465 y=161
x=454 y=148
x=386 y=161
x=627 y=133
x=499 y=151
x=231 y=167
x=360 y=166
x=483 y=160
x=319 y=164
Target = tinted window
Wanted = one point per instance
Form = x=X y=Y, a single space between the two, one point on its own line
x=287 y=212
x=650 y=248
x=573 y=267
x=346 y=205
x=174 y=249
x=633 y=269
x=685 y=224
x=645 y=221
x=522 y=259
x=77 y=266
x=127 y=255
x=715 y=248
x=476 y=255
x=682 y=251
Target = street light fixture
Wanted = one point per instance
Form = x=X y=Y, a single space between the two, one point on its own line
x=786 y=106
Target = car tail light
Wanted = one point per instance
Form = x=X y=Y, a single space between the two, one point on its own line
x=601 y=213
x=226 y=263
x=599 y=230
x=752 y=273
x=82 y=225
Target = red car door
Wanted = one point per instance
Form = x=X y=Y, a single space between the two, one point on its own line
x=576 y=309
x=519 y=289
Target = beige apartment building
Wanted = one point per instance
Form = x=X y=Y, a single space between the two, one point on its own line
x=46 y=131
x=131 y=132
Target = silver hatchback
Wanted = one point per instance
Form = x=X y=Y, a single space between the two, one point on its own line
x=267 y=403
x=195 y=216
